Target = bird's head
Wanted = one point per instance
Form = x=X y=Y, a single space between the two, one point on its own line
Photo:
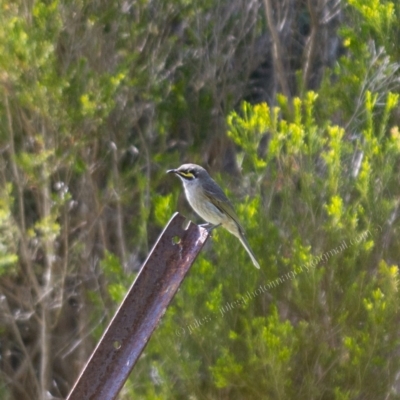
x=189 y=172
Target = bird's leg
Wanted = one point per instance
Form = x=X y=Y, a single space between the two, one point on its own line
x=209 y=226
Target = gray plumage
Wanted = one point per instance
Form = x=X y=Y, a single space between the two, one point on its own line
x=209 y=201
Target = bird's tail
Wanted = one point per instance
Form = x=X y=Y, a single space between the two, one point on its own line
x=246 y=245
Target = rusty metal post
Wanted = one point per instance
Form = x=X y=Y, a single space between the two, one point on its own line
x=138 y=315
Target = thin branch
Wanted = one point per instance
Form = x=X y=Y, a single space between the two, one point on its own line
x=17 y=335
x=279 y=66
x=311 y=47
x=120 y=214
x=21 y=208
x=48 y=287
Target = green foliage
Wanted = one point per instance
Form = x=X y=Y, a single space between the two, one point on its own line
x=8 y=233
x=98 y=100
x=370 y=65
x=378 y=18
x=113 y=272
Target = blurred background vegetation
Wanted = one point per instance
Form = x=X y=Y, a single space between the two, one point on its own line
x=293 y=105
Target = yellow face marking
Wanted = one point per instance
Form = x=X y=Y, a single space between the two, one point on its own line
x=187 y=175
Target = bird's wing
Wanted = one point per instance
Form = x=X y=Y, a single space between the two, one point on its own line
x=223 y=204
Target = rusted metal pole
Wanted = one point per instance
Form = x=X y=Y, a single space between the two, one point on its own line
x=137 y=317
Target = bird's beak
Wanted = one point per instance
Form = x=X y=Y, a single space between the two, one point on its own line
x=171 y=171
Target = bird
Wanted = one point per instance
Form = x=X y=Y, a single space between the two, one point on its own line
x=210 y=202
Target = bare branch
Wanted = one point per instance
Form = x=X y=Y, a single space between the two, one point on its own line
x=279 y=63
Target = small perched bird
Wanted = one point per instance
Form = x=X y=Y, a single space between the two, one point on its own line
x=209 y=201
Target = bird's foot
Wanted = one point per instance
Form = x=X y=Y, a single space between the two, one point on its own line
x=209 y=226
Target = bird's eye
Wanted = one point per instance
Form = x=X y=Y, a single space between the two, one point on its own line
x=193 y=172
